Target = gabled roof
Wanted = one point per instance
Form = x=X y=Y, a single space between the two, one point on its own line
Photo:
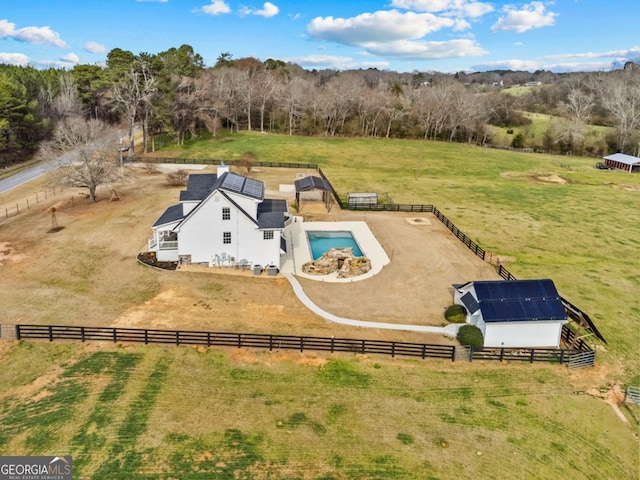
x=623 y=158
x=519 y=300
x=171 y=214
x=312 y=183
x=199 y=187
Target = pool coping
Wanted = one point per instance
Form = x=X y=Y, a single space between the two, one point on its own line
x=299 y=253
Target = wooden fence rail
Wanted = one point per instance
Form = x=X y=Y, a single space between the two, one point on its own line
x=291 y=342
x=239 y=340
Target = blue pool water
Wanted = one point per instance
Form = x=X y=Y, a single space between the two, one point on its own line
x=320 y=242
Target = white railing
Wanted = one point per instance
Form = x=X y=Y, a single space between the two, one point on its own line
x=169 y=245
x=152 y=243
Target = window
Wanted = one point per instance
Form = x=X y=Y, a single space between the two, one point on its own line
x=226 y=237
x=226 y=214
x=267 y=235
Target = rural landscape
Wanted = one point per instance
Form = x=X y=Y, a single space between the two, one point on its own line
x=182 y=412
x=516 y=160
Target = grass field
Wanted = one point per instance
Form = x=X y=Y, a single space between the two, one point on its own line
x=155 y=412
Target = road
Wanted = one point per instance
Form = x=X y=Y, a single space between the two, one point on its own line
x=25 y=176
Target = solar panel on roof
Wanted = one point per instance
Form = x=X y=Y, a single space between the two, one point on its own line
x=253 y=188
x=233 y=182
x=470 y=303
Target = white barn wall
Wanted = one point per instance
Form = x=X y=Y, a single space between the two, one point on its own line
x=522 y=334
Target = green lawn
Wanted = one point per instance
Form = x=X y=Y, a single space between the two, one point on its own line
x=165 y=412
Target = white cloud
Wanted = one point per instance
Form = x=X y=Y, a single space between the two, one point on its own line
x=19 y=59
x=217 y=7
x=567 y=62
x=420 y=50
x=530 y=16
x=70 y=58
x=379 y=27
x=33 y=35
x=93 y=47
x=334 y=62
x=463 y=8
x=268 y=10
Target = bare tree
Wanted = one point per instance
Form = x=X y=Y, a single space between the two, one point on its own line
x=619 y=93
x=86 y=151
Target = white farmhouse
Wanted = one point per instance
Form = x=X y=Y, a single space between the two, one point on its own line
x=222 y=220
x=514 y=313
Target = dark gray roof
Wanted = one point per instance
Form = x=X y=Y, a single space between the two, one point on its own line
x=171 y=214
x=199 y=186
x=312 y=183
x=271 y=213
x=519 y=300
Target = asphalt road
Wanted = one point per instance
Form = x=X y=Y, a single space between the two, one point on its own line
x=25 y=176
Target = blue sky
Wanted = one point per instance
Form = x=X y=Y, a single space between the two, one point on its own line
x=399 y=35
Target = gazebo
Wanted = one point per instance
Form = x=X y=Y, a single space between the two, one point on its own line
x=311 y=184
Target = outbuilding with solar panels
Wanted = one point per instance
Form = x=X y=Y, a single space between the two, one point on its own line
x=514 y=313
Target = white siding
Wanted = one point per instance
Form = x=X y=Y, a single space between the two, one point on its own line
x=201 y=235
x=522 y=334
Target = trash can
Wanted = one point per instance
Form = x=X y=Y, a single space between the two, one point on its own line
x=272 y=270
x=257 y=269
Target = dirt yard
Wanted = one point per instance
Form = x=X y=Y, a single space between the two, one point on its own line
x=86 y=272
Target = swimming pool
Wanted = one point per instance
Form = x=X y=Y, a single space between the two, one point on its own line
x=320 y=242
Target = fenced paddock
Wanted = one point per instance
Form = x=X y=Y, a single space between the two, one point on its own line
x=292 y=342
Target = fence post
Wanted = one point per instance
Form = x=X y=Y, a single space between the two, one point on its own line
x=208 y=339
x=453 y=353
x=562 y=356
x=177 y=337
x=532 y=354
x=332 y=343
x=301 y=344
x=501 y=354
x=239 y=340
x=393 y=349
x=424 y=351
x=363 y=346
x=270 y=342
x=115 y=335
x=146 y=336
x=82 y=334
x=50 y=333
x=17 y=332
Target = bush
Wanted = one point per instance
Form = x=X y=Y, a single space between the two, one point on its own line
x=456 y=314
x=177 y=178
x=471 y=336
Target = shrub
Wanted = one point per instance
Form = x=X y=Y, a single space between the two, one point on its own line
x=456 y=314
x=471 y=336
x=177 y=178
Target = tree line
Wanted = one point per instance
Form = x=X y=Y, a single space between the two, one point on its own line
x=172 y=96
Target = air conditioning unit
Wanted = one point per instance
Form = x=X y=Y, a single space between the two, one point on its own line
x=300 y=176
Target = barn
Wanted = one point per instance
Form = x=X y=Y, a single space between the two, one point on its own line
x=621 y=161
x=514 y=313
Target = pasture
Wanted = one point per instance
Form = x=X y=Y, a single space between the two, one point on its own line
x=158 y=412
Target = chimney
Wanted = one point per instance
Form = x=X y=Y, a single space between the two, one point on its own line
x=222 y=169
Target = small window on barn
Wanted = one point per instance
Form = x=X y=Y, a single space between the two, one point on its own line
x=226 y=214
x=226 y=237
x=267 y=235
